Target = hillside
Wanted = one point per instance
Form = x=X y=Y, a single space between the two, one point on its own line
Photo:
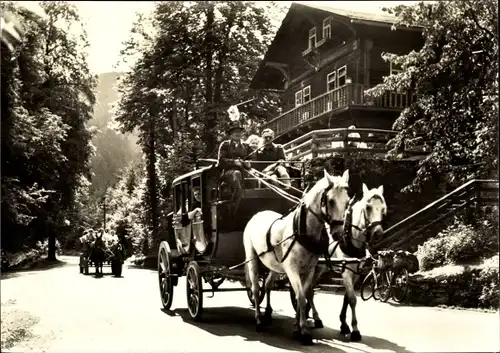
x=114 y=151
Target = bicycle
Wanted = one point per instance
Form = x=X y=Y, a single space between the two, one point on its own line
x=384 y=280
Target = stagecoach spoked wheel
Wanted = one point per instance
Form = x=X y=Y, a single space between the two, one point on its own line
x=368 y=287
x=194 y=290
x=164 y=278
x=400 y=285
x=293 y=299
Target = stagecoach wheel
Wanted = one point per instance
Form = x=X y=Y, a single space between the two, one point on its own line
x=384 y=286
x=368 y=287
x=400 y=285
x=194 y=290
x=164 y=276
x=293 y=299
x=262 y=292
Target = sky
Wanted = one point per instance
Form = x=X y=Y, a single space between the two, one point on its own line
x=109 y=23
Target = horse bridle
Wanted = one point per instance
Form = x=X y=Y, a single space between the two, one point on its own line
x=366 y=231
x=325 y=217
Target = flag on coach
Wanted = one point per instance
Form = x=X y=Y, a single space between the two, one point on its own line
x=12 y=30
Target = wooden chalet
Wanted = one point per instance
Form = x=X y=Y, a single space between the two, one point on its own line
x=323 y=59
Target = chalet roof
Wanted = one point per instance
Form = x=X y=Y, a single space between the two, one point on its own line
x=353 y=15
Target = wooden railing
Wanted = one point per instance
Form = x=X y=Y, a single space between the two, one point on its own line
x=322 y=143
x=351 y=94
x=413 y=228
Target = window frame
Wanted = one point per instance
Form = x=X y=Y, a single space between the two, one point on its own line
x=308 y=88
x=297 y=95
x=394 y=71
x=334 y=81
x=328 y=26
x=339 y=76
x=311 y=36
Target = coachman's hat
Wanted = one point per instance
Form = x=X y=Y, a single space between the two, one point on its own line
x=234 y=125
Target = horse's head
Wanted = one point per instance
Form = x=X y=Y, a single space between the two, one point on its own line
x=328 y=198
x=371 y=212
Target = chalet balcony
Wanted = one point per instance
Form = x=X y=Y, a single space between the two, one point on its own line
x=350 y=95
x=329 y=142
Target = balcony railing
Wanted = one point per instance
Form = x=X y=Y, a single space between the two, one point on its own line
x=322 y=143
x=351 y=94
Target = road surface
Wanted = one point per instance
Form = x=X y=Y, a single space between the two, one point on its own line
x=64 y=311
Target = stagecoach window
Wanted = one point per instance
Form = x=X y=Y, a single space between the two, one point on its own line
x=331 y=82
x=341 y=74
x=312 y=38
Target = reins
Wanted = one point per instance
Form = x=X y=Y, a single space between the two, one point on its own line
x=322 y=218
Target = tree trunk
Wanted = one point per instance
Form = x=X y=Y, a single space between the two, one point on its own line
x=51 y=253
x=210 y=115
x=151 y=171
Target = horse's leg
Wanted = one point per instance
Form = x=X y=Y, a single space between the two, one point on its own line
x=300 y=285
x=318 y=323
x=344 y=328
x=252 y=275
x=268 y=285
x=351 y=295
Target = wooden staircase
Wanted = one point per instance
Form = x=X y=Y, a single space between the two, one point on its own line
x=425 y=223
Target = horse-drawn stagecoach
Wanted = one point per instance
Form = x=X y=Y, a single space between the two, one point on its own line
x=210 y=247
x=218 y=246
x=98 y=252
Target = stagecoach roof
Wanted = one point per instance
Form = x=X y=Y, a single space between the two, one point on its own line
x=190 y=174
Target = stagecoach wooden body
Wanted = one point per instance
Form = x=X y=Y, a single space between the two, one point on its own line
x=210 y=249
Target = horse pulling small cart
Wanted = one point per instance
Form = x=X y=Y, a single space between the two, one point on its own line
x=96 y=253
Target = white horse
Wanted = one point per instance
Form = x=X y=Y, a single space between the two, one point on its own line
x=292 y=244
x=362 y=222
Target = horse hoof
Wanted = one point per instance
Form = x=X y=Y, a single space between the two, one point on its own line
x=306 y=339
x=355 y=336
x=296 y=335
x=344 y=329
x=318 y=323
x=259 y=327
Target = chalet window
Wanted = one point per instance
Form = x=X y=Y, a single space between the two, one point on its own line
x=341 y=74
x=312 y=38
x=298 y=98
x=331 y=81
x=394 y=68
x=306 y=94
x=327 y=28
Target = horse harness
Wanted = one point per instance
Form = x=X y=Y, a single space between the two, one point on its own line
x=345 y=243
x=300 y=230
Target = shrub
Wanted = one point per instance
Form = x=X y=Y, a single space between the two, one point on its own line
x=459 y=243
x=490 y=295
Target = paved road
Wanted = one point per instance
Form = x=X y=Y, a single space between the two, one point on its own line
x=76 y=313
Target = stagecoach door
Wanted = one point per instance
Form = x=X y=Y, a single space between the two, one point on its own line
x=181 y=223
x=200 y=240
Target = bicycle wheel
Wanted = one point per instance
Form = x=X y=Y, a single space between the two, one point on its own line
x=367 y=287
x=400 y=285
x=384 y=286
